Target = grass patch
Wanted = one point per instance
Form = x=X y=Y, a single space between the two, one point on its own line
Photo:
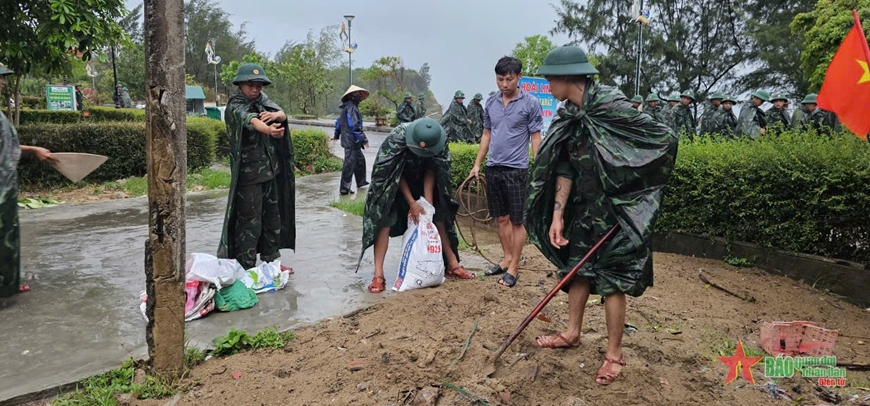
x=239 y=340
x=101 y=389
x=351 y=205
x=726 y=348
x=201 y=179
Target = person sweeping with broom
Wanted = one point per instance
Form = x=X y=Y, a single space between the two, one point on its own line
x=602 y=166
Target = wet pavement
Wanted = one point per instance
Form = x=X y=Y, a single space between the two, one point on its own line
x=85 y=264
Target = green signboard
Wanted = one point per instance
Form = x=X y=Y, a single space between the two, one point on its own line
x=60 y=97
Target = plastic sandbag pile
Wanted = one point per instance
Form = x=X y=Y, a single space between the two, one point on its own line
x=220 y=283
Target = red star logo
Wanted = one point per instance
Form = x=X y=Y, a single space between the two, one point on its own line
x=739 y=359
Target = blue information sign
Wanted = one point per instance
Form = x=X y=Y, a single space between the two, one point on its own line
x=540 y=88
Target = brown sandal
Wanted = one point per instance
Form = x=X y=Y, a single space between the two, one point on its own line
x=556 y=341
x=378 y=284
x=606 y=375
x=459 y=272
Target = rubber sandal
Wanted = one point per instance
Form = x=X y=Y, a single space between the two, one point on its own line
x=378 y=284
x=509 y=280
x=494 y=270
x=550 y=342
x=23 y=288
x=287 y=269
x=463 y=274
x=606 y=375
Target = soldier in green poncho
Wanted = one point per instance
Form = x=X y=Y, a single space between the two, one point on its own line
x=413 y=162
x=636 y=101
x=475 y=114
x=797 y=117
x=723 y=121
x=10 y=239
x=653 y=108
x=421 y=106
x=751 y=122
x=669 y=109
x=455 y=121
x=406 y=112
x=710 y=109
x=683 y=116
x=823 y=121
x=602 y=163
x=261 y=207
x=778 y=114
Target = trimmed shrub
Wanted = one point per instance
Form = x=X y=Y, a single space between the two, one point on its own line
x=102 y=114
x=33 y=102
x=122 y=142
x=202 y=134
x=311 y=147
x=29 y=116
x=803 y=193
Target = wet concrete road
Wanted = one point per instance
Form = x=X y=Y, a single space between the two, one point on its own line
x=85 y=264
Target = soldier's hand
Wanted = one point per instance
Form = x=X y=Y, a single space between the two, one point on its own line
x=416 y=211
x=268 y=117
x=556 y=238
x=762 y=131
x=276 y=131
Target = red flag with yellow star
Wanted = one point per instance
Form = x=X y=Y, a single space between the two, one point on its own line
x=846 y=90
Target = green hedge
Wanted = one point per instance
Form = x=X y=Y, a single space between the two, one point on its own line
x=112 y=114
x=122 y=142
x=311 y=148
x=30 y=116
x=802 y=193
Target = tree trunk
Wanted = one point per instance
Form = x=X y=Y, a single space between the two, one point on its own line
x=166 y=149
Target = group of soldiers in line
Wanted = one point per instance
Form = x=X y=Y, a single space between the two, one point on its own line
x=462 y=124
x=719 y=118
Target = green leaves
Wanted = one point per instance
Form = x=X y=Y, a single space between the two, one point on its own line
x=239 y=340
x=532 y=52
x=37 y=203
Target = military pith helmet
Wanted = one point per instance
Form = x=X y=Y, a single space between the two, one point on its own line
x=637 y=99
x=762 y=94
x=688 y=93
x=566 y=60
x=353 y=89
x=124 y=88
x=459 y=95
x=478 y=96
x=5 y=71
x=810 y=99
x=425 y=137
x=728 y=98
x=251 y=72
x=717 y=95
x=421 y=96
x=779 y=96
x=674 y=97
x=408 y=95
x=652 y=97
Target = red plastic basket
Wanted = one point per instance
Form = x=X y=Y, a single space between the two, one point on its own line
x=797 y=338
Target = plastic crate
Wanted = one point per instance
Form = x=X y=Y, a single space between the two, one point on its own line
x=797 y=338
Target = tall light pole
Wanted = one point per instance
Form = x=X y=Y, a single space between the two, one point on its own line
x=349 y=18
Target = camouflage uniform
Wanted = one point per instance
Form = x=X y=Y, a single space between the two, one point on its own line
x=10 y=239
x=261 y=213
x=668 y=111
x=705 y=123
x=455 y=122
x=778 y=116
x=752 y=118
x=406 y=111
x=823 y=121
x=421 y=106
x=619 y=161
x=475 y=114
x=385 y=205
x=684 y=120
x=721 y=122
x=654 y=112
x=798 y=116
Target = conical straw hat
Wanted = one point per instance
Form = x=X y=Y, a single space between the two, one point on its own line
x=76 y=166
x=352 y=89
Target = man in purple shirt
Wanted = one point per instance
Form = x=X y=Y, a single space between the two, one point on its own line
x=511 y=120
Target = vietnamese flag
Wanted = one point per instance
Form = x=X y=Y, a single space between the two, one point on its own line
x=846 y=90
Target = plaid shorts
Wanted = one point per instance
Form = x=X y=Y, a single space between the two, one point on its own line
x=506 y=192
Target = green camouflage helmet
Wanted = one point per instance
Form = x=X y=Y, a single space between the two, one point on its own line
x=5 y=71
x=478 y=96
x=688 y=93
x=425 y=137
x=762 y=94
x=810 y=99
x=717 y=96
x=251 y=72
x=421 y=96
x=674 y=97
x=459 y=95
x=779 y=96
x=637 y=99
x=728 y=98
x=566 y=60
x=653 y=97
x=408 y=95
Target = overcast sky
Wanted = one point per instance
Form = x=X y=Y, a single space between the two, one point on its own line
x=460 y=39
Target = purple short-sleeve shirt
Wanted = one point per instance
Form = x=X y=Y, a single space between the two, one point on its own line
x=511 y=128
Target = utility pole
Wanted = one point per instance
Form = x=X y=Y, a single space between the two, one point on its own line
x=213 y=45
x=115 y=77
x=349 y=53
x=639 y=49
x=166 y=152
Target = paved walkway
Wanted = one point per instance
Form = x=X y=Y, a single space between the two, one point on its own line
x=85 y=264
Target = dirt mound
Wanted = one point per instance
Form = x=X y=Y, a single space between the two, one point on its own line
x=393 y=352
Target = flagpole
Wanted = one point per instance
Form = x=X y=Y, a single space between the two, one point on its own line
x=639 y=50
x=858 y=24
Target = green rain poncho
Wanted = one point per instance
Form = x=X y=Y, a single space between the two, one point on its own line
x=475 y=114
x=455 y=123
x=239 y=112
x=10 y=241
x=384 y=202
x=619 y=160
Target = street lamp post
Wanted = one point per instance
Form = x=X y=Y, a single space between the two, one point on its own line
x=349 y=18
